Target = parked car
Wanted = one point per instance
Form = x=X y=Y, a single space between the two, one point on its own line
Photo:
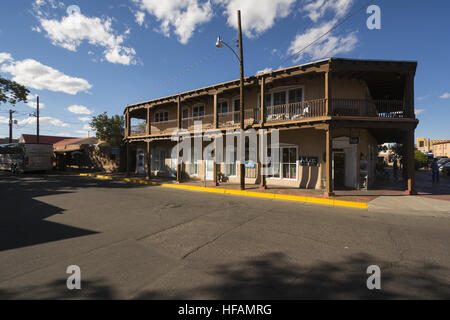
x=445 y=169
x=443 y=161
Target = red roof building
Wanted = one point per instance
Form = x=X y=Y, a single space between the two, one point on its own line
x=31 y=138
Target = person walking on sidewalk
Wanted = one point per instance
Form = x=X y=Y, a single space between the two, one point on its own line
x=435 y=171
x=395 y=167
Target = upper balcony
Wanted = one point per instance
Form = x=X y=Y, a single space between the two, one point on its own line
x=326 y=90
x=309 y=110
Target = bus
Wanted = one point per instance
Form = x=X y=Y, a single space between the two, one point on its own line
x=21 y=157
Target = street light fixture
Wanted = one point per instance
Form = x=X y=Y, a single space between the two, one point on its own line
x=240 y=57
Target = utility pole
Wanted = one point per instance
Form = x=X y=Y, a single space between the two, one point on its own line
x=11 y=125
x=241 y=62
x=37 y=120
x=240 y=57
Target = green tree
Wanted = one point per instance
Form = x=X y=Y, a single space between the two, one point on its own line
x=12 y=92
x=109 y=129
x=421 y=159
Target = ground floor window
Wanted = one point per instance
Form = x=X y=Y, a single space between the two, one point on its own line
x=230 y=168
x=193 y=165
x=159 y=160
x=289 y=162
x=287 y=167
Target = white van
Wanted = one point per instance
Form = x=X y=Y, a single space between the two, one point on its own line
x=20 y=157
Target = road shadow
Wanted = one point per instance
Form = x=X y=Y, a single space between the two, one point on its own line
x=274 y=276
x=57 y=290
x=22 y=216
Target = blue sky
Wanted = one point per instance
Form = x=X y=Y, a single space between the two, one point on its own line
x=112 y=53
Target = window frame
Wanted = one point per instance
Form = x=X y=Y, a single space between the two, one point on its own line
x=157 y=116
x=281 y=163
x=285 y=89
x=200 y=105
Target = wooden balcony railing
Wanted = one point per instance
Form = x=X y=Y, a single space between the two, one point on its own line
x=368 y=108
x=286 y=112
x=207 y=122
x=232 y=119
x=296 y=111
x=164 y=127
x=138 y=130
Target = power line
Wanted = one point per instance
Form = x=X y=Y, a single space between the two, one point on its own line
x=328 y=32
x=190 y=68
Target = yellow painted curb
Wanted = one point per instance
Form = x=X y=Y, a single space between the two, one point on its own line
x=330 y=202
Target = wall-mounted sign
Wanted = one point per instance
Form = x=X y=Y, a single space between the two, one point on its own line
x=249 y=164
x=354 y=140
x=309 y=161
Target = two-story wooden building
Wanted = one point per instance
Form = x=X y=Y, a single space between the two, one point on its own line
x=331 y=114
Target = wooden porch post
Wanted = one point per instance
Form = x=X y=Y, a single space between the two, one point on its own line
x=328 y=94
x=216 y=113
x=128 y=159
x=262 y=103
x=410 y=163
x=179 y=165
x=149 y=161
x=179 y=111
x=261 y=136
x=409 y=96
x=329 y=162
x=216 y=126
x=128 y=124
x=148 y=129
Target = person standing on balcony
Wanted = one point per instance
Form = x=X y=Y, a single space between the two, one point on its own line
x=435 y=171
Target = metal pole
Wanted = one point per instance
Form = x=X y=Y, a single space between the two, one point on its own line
x=37 y=120
x=241 y=62
x=10 y=125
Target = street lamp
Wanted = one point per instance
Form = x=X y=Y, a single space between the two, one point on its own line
x=240 y=57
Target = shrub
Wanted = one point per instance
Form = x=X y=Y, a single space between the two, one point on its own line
x=421 y=159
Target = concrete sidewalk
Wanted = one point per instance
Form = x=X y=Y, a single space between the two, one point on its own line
x=432 y=198
x=411 y=205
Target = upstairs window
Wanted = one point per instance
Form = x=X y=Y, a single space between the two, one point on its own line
x=295 y=95
x=198 y=111
x=279 y=98
x=161 y=116
x=222 y=107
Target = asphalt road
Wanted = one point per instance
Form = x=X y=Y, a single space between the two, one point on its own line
x=146 y=242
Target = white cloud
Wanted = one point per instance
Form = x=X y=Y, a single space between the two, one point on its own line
x=265 y=70
x=75 y=28
x=316 y=9
x=79 y=109
x=44 y=121
x=4 y=56
x=84 y=119
x=87 y=127
x=36 y=29
x=4 y=119
x=182 y=15
x=33 y=74
x=418 y=111
x=446 y=95
x=83 y=133
x=327 y=46
x=257 y=15
x=331 y=44
x=140 y=17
